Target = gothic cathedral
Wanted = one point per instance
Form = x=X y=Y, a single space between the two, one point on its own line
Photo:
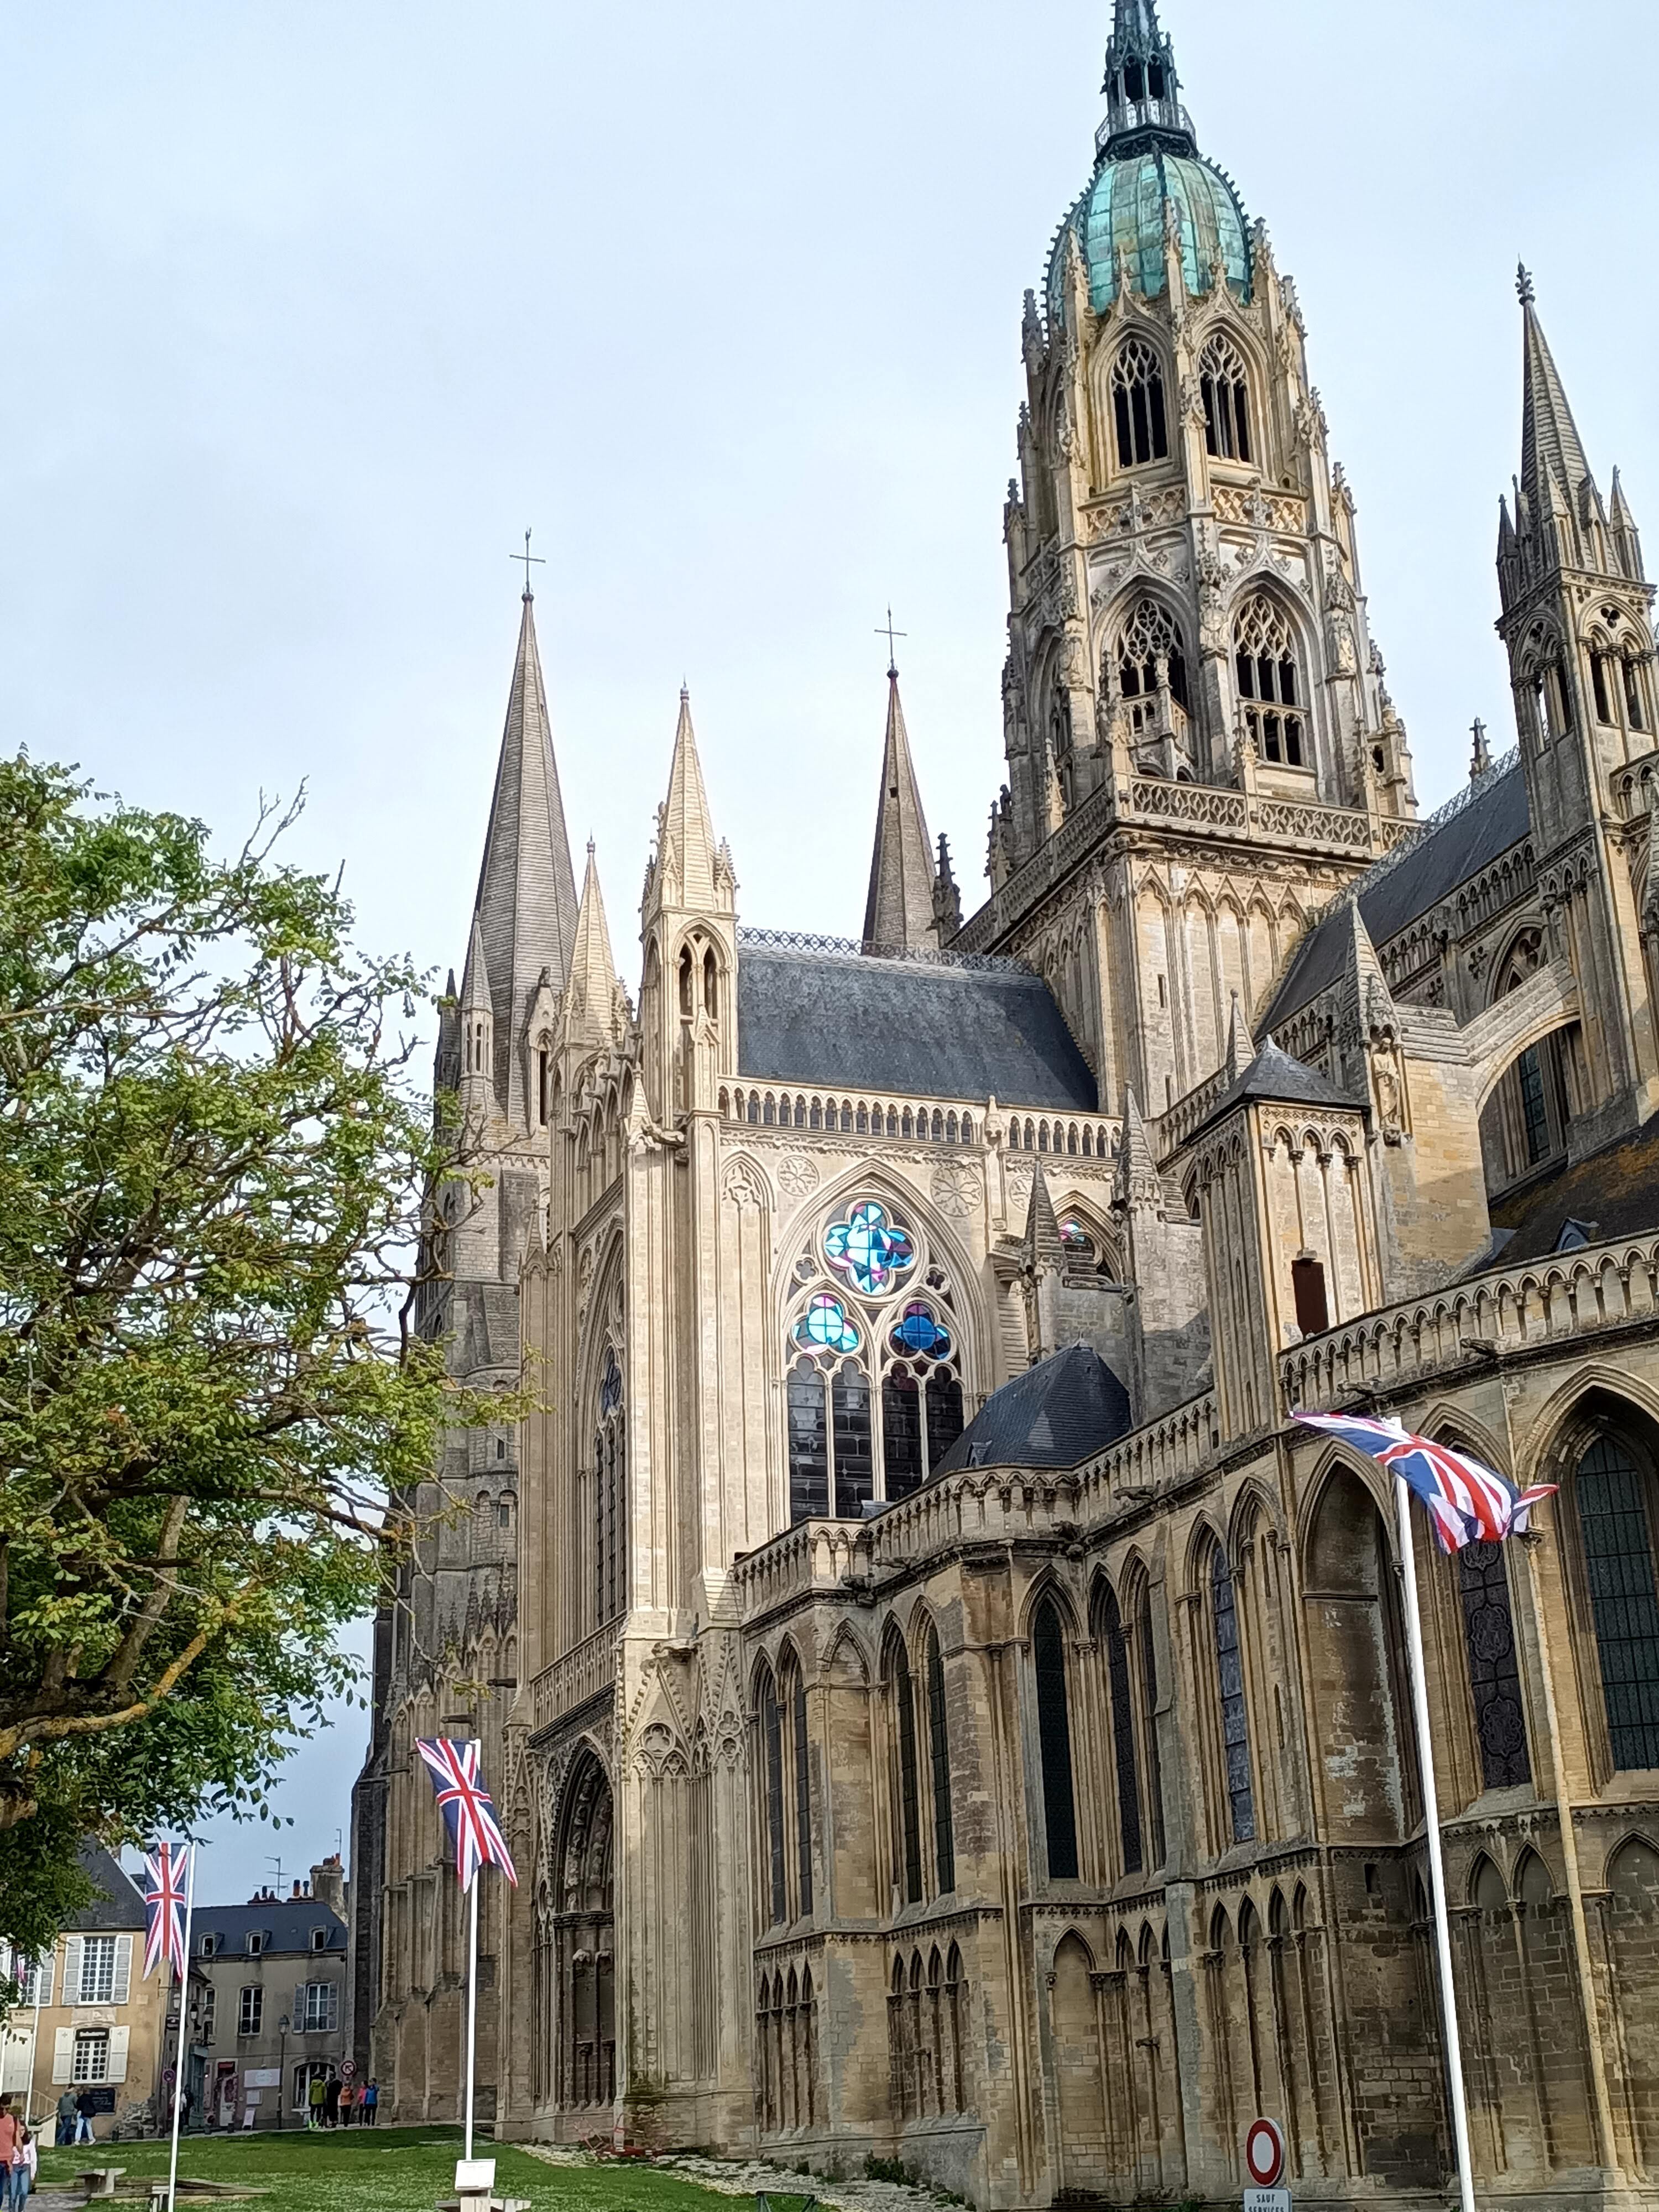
x=944 y=1710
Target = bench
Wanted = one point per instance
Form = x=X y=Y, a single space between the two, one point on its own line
x=99 y=2180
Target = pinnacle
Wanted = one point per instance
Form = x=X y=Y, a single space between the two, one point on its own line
x=590 y=996
x=1043 y=1247
x=899 y=909
x=685 y=825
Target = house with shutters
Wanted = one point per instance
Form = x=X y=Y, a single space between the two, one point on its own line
x=273 y=2014
x=89 y=2019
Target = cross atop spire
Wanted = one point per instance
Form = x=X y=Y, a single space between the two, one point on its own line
x=531 y=560
x=898 y=912
x=885 y=630
x=1143 y=105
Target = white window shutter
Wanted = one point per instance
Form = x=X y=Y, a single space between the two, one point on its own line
x=119 y=2038
x=123 y=1973
x=62 y=2054
x=44 y=1982
x=298 y=2014
x=71 y=1971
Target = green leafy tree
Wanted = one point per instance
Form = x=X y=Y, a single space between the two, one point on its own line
x=212 y=1162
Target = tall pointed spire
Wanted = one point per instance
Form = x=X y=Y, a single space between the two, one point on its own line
x=1143 y=106
x=899 y=910
x=686 y=865
x=526 y=903
x=589 y=1012
x=1552 y=453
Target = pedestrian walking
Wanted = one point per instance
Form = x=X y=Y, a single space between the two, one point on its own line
x=371 y=2103
x=315 y=2096
x=25 y=2164
x=10 y=2124
x=66 y=2118
x=85 y=2105
x=331 y=2100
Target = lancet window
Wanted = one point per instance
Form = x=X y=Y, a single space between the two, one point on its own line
x=1500 y=1724
x=783 y=1767
x=1269 y=683
x=1612 y=1494
x=1149 y=656
x=1138 y=408
x=610 y=1496
x=1123 y=1732
x=1054 y=1741
x=1231 y=1700
x=1226 y=393
x=875 y=1383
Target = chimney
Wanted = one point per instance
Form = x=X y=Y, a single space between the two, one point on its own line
x=328 y=1884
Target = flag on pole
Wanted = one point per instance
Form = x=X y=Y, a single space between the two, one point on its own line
x=468 y=1810
x=1467 y=1503
x=164 y=1899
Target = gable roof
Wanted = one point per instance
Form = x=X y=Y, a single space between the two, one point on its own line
x=1058 y=1413
x=118 y=1904
x=1465 y=835
x=1272 y=1075
x=285 y=1924
x=923 y=1028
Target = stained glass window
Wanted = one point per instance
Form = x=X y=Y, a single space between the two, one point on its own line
x=802 y=1799
x=1054 y=1741
x=611 y=1385
x=1494 y=1676
x=809 y=1444
x=870 y=1250
x=772 y=1728
x=1148 y=1725
x=920 y=1330
x=1613 y=1518
x=855 y=1463
x=905 y=1713
x=1235 y=1719
x=825 y=1324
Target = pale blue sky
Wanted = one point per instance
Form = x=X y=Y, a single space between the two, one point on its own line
x=309 y=309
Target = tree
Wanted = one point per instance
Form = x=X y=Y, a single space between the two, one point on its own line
x=212 y=1163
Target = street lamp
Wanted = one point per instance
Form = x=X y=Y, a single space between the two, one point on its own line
x=282 y=2025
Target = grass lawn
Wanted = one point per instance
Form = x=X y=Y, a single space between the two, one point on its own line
x=383 y=2168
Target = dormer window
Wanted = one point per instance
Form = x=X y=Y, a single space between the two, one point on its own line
x=1138 y=405
x=255 y=1945
x=320 y=1939
x=207 y=1947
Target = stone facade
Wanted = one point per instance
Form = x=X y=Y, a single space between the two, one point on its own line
x=1035 y=1813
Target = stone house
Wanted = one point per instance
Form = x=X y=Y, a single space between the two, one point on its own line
x=274 y=2013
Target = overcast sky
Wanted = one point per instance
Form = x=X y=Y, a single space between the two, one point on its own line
x=310 y=309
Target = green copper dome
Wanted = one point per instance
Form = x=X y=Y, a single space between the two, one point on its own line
x=1123 y=214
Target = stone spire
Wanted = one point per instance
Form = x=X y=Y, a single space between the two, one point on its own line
x=1043 y=1246
x=1552 y=453
x=1626 y=539
x=1137 y=1183
x=526 y=905
x=1480 y=758
x=477 y=1081
x=688 y=870
x=899 y=911
x=589 y=1012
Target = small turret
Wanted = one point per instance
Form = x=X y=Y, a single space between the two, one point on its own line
x=1626 y=540
x=1141 y=86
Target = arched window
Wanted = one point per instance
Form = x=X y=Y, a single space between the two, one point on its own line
x=1616 y=1531
x=543 y=1063
x=1231 y=1694
x=1264 y=658
x=610 y=1496
x=1148 y=1686
x=907 y=1821
x=1123 y=1731
x=1226 y=391
x=1632 y=681
x=686 y=972
x=1054 y=1741
x=711 y=987
x=1149 y=655
x=1500 y=1725
x=771 y=1766
x=939 y=1748
x=873 y=1327
x=1138 y=405
x=795 y=1771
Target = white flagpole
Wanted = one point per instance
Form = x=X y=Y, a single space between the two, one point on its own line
x=184 y=2005
x=471 y=1965
x=1454 y=2049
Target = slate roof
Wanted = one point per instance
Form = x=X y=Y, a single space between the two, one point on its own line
x=1465 y=836
x=1273 y=1075
x=1616 y=1190
x=118 y=1903
x=918 y=1028
x=285 y=1923
x=1058 y=1413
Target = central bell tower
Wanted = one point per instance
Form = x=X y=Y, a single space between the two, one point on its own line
x=1186 y=616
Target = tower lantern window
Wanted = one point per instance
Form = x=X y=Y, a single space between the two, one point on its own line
x=1138 y=405
x=1265 y=662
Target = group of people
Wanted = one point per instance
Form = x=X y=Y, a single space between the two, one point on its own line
x=74 y=2116
x=332 y=2103
x=18 y=2158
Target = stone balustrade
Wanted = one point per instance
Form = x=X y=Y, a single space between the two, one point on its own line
x=1399 y=1349
x=576 y=1676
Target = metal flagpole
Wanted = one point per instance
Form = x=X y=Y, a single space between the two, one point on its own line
x=178 y=2054
x=1454 y=2049
x=472 y=1994
x=472 y=1969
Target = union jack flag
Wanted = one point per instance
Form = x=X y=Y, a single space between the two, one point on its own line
x=468 y=1810
x=1467 y=1503
x=164 y=1899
